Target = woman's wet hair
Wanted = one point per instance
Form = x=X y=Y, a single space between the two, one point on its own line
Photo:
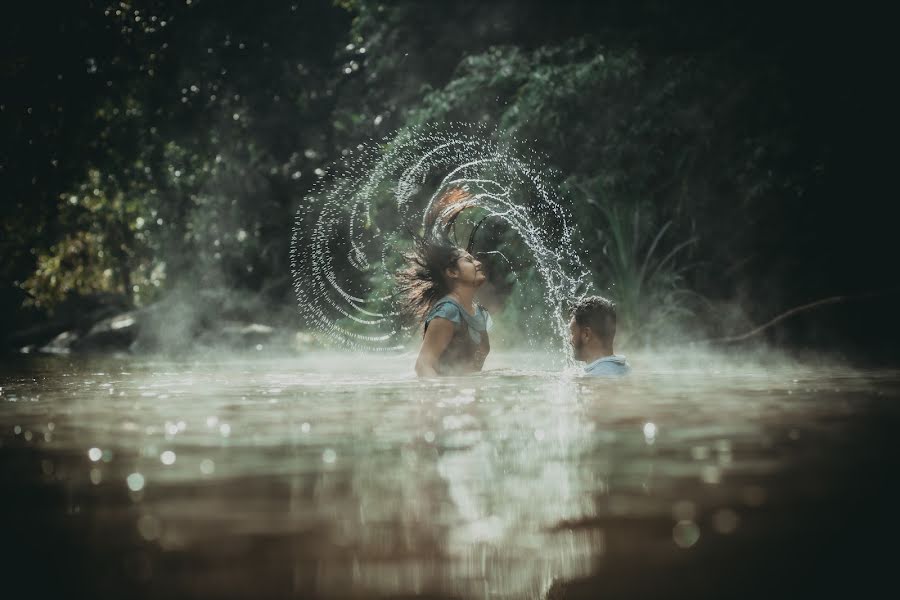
x=422 y=282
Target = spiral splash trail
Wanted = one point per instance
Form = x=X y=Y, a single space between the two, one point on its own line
x=351 y=231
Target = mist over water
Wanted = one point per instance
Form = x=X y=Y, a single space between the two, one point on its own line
x=363 y=213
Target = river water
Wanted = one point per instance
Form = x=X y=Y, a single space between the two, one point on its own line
x=342 y=476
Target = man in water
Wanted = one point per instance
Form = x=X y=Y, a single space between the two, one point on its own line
x=592 y=330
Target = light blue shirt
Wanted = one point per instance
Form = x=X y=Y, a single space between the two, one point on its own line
x=609 y=366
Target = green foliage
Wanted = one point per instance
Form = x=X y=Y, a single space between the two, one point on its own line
x=570 y=98
x=197 y=127
x=208 y=122
x=107 y=247
x=78 y=263
x=645 y=274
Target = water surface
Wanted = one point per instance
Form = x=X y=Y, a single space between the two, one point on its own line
x=342 y=476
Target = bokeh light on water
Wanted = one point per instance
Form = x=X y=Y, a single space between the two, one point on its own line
x=339 y=475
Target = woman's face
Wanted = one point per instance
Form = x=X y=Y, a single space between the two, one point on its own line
x=467 y=270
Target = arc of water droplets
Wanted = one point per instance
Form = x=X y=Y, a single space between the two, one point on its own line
x=348 y=234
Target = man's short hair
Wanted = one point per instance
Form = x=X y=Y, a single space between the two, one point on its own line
x=599 y=314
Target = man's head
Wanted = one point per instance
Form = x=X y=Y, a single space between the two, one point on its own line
x=592 y=327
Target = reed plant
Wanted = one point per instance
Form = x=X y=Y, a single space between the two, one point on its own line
x=645 y=272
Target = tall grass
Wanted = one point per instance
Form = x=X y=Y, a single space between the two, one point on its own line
x=645 y=272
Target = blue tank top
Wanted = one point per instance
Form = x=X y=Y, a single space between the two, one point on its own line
x=470 y=344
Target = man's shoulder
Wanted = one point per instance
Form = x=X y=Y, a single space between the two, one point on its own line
x=609 y=366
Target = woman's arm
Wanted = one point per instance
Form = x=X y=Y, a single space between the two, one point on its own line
x=437 y=338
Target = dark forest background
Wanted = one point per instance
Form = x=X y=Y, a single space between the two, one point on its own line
x=726 y=161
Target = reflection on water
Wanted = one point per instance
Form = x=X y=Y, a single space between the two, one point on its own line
x=346 y=477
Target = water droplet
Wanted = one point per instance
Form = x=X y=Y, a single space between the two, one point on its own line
x=95 y=454
x=649 y=432
x=504 y=183
x=135 y=482
x=710 y=474
x=685 y=533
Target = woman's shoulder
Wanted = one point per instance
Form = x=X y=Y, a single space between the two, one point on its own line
x=444 y=308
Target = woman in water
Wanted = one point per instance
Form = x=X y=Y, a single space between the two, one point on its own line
x=440 y=285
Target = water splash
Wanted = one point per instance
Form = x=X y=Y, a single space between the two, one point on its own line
x=351 y=231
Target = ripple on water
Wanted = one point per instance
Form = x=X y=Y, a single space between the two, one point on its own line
x=508 y=481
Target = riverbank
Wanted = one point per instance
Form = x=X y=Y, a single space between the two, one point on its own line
x=203 y=321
